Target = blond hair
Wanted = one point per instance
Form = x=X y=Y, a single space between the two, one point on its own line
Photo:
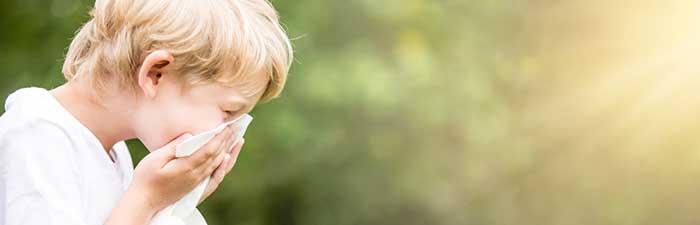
x=211 y=41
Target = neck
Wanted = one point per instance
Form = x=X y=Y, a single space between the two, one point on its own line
x=107 y=119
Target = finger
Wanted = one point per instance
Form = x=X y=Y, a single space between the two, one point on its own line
x=221 y=171
x=215 y=167
x=167 y=152
x=227 y=164
x=234 y=156
x=228 y=138
x=206 y=167
x=235 y=152
x=211 y=149
x=215 y=164
x=206 y=170
x=211 y=187
x=232 y=141
x=219 y=174
x=229 y=149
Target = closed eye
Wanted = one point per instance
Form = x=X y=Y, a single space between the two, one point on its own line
x=230 y=113
x=232 y=110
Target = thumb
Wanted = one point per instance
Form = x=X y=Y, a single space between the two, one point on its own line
x=167 y=152
x=178 y=140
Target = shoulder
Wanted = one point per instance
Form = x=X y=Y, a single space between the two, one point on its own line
x=31 y=103
x=27 y=100
x=32 y=131
x=32 y=136
x=31 y=117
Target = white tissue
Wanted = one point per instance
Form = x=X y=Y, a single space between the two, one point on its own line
x=184 y=211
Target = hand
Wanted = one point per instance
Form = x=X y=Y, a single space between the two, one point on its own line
x=163 y=179
x=221 y=171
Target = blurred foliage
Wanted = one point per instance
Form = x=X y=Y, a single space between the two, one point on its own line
x=449 y=112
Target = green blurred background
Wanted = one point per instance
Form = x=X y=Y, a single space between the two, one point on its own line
x=449 y=112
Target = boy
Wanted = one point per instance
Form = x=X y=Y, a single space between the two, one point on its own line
x=156 y=70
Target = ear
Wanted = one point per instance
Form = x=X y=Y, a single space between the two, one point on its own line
x=151 y=71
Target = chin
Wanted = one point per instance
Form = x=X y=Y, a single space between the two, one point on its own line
x=153 y=144
x=150 y=148
x=160 y=143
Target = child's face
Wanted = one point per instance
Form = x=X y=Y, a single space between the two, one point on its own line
x=168 y=107
x=176 y=110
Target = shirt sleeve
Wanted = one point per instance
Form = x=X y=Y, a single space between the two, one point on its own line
x=39 y=182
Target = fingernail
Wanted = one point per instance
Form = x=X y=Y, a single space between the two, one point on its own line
x=187 y=135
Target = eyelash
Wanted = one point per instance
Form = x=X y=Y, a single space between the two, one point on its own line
x=229 y=113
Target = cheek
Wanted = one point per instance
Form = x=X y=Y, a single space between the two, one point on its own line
x=173 y=119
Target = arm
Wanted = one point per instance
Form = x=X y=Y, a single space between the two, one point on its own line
x=160 y=179
x=40 y=184
x=132 y=209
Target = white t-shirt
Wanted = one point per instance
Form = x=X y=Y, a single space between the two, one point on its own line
x=53 y=170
